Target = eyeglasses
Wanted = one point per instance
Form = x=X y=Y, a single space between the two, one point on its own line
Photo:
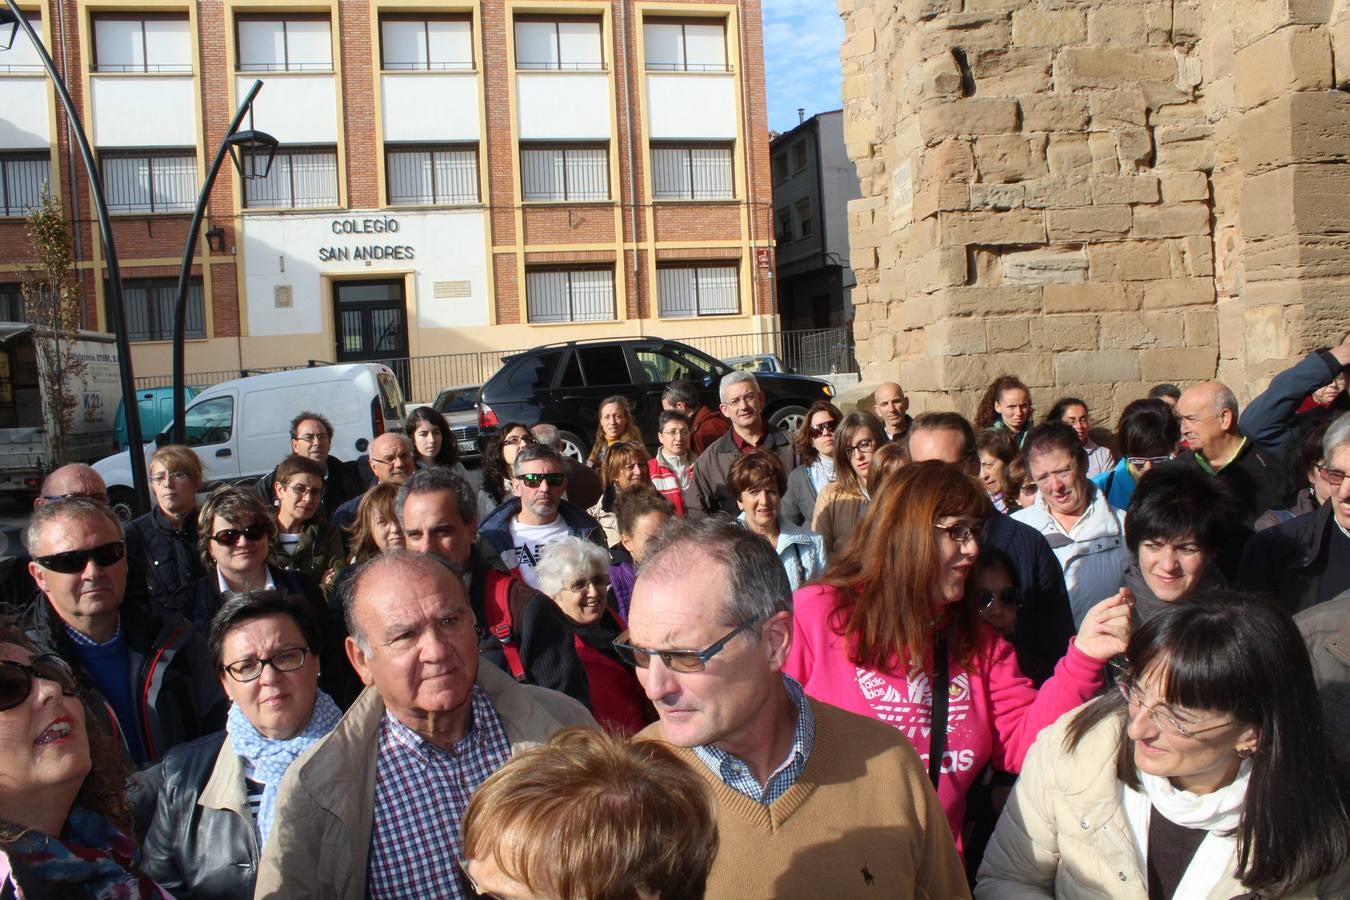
x=166 y=477
x=1140 y=461
x=301 y=491
x=52 y=498
x=1006 y=597
x=1165 y=721
x=676 y=432
x=677 y=660
x=516 y=439
x=16 y=679
x=1334 y=477
x=1029 y=488
x=287 y=660
x=534 y=479
x=404 y=456
x=747 y=399
x=599 y=582
x=73 y=561
x=960 y=533
x=823 y=428
x=311 y=438
x=228 y=537
x=865 y=446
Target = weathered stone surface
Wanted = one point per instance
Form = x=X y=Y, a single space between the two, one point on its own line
x=1044 y=267
x=1054 y=112
x=1291 y=59
x=1178 y=364
x=1096 y=367
x=1068 y=154
x=1132 y=261
x=1109 y=67
x=1061 y=192
x=1087 y=224
x=1057 y=333
x=1130 y=24
x=1178 y=292
x=1171 y=220
x=1179 y=187
x=1011 y=227
x=1114 y=109
x=1137 y=331
x=986 y=301
x=973 y=115
x=997 y=196
x=1088 y=297
x=1009 y=157
x=1048 y=27
x=1006 y=333
x=1009 y=73
x=1131 y=189
x=955 y=337
x=1310 y=126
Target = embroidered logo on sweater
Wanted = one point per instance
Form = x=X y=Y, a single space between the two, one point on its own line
x=908 y=706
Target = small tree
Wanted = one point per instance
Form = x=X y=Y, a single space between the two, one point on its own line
x=51 y=298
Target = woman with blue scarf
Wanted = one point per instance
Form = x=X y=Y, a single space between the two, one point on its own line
x=219 y=793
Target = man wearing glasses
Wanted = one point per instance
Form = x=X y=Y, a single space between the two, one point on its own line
x=312 y=436
x=154 y=672
x=391 y=459
x=811 y=801
x=516 y=534
x=743 y=404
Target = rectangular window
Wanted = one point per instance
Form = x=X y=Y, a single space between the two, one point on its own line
x=149 y=304
x=432 y=176
x=688 y=291
x=137 y=181
x=569 y=44
x=301 y=178
x=11 y=303
x=780 y=172
x=292 y=44
x=689 y=46
x=575 y=172
x=783 y=225
x=692 y=172
x=410 y=43
x=798 y=156
x=142 y=42
x=22 y=56
x=570 y=295
x=22 y=176
x=805 y=227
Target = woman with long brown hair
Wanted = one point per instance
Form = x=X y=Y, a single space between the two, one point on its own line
x=615 y=425
x=814 y=445
x=891 y=631
x=625 y=466
x=842 y=502
x=1006 y=404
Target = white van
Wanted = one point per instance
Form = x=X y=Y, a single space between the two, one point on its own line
x=241 y=429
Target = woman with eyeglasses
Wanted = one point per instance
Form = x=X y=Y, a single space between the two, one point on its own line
x=162 y=552
x=65 y=825
x=498 y=457
x=1206 y=774
x=306 y=542
x=1020 y=485
x=1147 y=435
x=216 y=804
x=1074 y=413
x=757 y=480
x=841 y=503
x=891 y=632
x=625 y=467
x=615 y=426
x=996 y=450
x=566 y=634
x=814 y=446
x=672 y=468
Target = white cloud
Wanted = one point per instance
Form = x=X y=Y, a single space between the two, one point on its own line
x=801 y=58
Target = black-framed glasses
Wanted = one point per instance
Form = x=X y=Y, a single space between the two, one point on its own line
x=250 y=669
x=311 y=438
x=678 y=660
x=401 y=456
x=1140 y=461
x=960 y=532
x=866 y=445
x=534 y=479
x=301 y=491
x=1029 y=488
x=823 y=428
x=1165 y=721
x=1006 y=597
x=1334 y=477
x=228 y=537
x=73 y=561
x=16 y=679
x=515 y=439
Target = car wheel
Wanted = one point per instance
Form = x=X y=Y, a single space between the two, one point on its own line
x=573 y=447
x=123 y=503
x=788 y=419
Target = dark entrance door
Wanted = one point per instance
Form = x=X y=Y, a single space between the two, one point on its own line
x=371 y=320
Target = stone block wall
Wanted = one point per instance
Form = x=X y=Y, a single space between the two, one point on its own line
x=1096 y=195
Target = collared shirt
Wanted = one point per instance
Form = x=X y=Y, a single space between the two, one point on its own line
x=83 y=640
x=744 y=446
x=736 y=774
x=421 y=792
x=1212 y=469
x=226 y=590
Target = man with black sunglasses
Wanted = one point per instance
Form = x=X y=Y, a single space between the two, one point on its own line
x=153 y=672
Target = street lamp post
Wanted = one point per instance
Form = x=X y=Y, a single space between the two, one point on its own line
x=13 y=19
x=244 y=147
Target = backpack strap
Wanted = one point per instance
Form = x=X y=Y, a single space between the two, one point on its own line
x=497 y=619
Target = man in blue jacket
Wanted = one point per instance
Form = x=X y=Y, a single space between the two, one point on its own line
x=1315 y=386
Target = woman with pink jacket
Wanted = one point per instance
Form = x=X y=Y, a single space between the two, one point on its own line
x=895 y=619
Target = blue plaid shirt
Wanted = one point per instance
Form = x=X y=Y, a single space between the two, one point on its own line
x=736 y=774
x=421 y=792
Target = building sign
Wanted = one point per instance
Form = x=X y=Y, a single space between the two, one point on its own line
x=380 y=229
x=762 y=258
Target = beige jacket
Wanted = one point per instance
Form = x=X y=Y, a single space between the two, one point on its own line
x=325 y=806
x=1064 y=832
x=837 y=513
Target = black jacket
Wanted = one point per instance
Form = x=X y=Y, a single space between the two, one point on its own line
x=178 y=697
x=341 y=484
x=1254 y=477
x=1045 y=621
x=1288 y=561
x=206 y=850
x=164 y=561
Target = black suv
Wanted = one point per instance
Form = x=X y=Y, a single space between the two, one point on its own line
x=563 y=384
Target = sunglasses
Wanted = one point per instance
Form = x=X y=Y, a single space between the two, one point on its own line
x=1006 y=597
x=16 y=679
x=73 y=561
x=228 y=537
x=823 y=428
x=534 y=479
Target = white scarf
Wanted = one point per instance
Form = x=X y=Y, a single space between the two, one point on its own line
x=1217 y=811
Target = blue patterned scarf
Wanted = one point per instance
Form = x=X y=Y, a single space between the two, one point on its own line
x=271 y=758
x=90 y=859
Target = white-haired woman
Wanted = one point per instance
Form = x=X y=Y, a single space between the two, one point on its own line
x=566 y=643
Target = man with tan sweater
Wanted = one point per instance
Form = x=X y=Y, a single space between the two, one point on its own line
x=812 y=801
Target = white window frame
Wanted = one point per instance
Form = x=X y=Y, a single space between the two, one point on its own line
x=283 y=168
x=668 y=168
x=149 y=182
x=149 y=305
x=23 y=58
x=13 y=166
x=438 y=163
x=139 y=22
x=429 y=43
x=559 y=61
x=681 y=63
x=285 y=64
x=561 y=295
x=701 y=284
x=562 y=178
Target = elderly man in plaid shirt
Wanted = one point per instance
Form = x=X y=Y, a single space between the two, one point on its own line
x=374 y=809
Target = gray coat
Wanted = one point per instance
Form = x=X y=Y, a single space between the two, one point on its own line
x=1326 y=628
x=708 y=492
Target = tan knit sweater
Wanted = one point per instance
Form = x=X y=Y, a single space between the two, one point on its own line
x=861 y=821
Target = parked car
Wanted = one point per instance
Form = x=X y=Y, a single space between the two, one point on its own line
x=241 y=428
x=156 y=411
x=563 y=384
x=758 y=362
x=459 y=405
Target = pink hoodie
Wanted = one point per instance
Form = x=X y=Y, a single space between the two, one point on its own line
x=994 y=712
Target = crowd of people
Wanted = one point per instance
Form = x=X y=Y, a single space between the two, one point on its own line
x=881 y=655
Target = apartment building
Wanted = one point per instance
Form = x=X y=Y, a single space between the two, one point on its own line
x=452 y=176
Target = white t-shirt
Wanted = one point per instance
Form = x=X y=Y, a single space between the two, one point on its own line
x=528 y=543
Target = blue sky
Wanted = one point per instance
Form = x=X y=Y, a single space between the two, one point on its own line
x=801 y=58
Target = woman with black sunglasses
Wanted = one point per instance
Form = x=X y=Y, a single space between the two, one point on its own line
x=814 y=445
x=64 y=817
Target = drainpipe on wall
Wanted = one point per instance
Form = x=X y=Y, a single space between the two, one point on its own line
x=628 y=126
x=749 y=155
x=70 y=145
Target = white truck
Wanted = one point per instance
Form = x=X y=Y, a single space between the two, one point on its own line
x=27 y=451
